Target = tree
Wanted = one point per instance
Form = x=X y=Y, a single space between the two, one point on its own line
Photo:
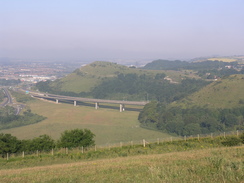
x=41 y=143
x=9 y=144
x=76 y=138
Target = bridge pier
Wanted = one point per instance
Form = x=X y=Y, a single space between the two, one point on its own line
x=74 y=103
x=56 y=101
x=96 y=105
x=121 y=107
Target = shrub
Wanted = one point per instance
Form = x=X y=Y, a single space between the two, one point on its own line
x=232 y=141
x=242 y=137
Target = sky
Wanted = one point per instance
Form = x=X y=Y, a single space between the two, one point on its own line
x=121 y=29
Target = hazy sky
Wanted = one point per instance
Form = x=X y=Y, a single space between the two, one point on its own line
x=121 y=29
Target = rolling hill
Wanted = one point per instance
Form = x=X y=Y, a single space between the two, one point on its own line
x=86 y=78
x=89 y=76
x=224 y=93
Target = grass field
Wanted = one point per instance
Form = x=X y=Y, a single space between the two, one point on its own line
x=109 y=125
x=206 y=165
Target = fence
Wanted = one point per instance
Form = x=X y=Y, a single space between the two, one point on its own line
x=143 y=142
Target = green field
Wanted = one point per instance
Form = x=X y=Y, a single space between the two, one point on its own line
x=205 y=165
x=109 y=125
x=225 y=93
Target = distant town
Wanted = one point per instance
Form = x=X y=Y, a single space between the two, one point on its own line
x=34 y=72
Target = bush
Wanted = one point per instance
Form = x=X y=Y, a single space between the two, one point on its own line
x=242 y=138
x=76 y=138
x=232 y=141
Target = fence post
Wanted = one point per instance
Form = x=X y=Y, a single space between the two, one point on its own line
x=144 y=143
x=23 y=154
x=82 y=149
x=66 y=150
x=52 y=152
x=131 y=143
x=224 y=134
x=121 y=144
x=7 y=156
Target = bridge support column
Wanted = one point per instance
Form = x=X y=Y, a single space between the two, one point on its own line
x=74 y=103
x=56 y=101
x=96 y=105
x=121 y=107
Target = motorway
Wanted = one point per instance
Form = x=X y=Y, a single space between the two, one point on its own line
x=61 y=97
x=9 y=101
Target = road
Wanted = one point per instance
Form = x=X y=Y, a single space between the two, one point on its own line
x=61 y=97
x=9 y=101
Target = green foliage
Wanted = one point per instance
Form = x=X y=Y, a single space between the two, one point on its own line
x=2 y=95
x=178 y=65
x=41 y=143
x=76 y=138
x=242 y=138
x=22 y=98
x=8 y=119
x=9 y=82
x=232 y=141
x=9 y=144
x=191 y=121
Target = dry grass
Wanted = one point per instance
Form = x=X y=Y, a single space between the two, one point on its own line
x=209 y=165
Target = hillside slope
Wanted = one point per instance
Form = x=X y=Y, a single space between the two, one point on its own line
x=89 y=76
x=225 y=93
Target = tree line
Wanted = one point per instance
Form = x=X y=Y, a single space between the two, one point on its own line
x=9 y=82
x=179 y=65
x=69 y=139
x=191 y=121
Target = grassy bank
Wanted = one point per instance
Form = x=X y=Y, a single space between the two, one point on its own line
x=192 y=161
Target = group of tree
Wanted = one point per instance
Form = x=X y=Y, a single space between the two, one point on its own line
x=206 y=69
x=191 y=121
x=135 y=87
x=9 y=82
x=8 y=118
x=2 y=95
x=69 y=139
x=183 y=65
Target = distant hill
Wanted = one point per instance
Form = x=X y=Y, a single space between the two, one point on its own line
x=105 y=80
x=225 y=93
x=178 y=65
x=89 y=76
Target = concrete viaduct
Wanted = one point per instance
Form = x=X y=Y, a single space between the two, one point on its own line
x=95 y=101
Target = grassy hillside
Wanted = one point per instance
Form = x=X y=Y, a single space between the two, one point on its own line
x=206 y=165
x=225 y=93
x=109 y=125
x=89 y=76
x=85 y=78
